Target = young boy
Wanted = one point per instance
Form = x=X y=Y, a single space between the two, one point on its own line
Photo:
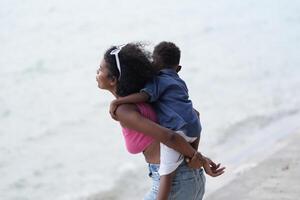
x=169 y=95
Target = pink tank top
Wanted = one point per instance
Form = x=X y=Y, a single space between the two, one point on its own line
x=137 y=142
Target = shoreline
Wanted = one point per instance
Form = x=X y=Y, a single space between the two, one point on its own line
x=262 y=146
x=276 y=177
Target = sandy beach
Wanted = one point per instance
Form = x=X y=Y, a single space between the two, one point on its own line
x=276 y=178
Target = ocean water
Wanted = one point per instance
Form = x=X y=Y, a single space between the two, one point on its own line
x=240 y=61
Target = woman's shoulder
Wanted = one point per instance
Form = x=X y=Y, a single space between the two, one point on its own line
x=125 y=111
x=126 y=108
x=127 y=114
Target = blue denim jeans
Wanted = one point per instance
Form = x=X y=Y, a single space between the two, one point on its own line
x=187 y=184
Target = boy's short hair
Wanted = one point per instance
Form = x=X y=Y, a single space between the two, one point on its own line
x=166 y=54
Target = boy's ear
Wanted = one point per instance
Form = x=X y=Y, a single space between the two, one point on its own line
x=178 y=68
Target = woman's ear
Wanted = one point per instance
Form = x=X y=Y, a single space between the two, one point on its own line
x=113 y=81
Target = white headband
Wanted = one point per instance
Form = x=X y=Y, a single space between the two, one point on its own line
x=116 y=52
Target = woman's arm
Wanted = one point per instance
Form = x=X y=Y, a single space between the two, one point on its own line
x=129 y=117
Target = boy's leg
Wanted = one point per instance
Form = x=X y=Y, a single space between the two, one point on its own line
x=165 y=186
x=170 y=159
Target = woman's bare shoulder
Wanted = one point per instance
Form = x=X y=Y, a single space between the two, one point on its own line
x=127 y=114
x=126 y=109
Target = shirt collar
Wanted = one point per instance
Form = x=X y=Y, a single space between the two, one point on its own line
x=168 y=71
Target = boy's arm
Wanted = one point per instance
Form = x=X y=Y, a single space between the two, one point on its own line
x=151 y=92
x=165 y=184
x=133 y=98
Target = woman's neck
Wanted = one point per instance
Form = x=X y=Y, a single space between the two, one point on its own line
x=113 y=91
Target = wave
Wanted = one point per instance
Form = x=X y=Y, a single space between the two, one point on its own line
x=254 y=123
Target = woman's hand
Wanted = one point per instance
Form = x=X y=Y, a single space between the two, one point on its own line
x=196 y=161
x=211 y=168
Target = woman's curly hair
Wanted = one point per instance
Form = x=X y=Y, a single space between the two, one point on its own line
x=136 y=68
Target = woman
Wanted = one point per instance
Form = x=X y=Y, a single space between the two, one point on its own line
x=125 y=70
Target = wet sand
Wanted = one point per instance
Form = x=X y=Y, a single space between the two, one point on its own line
x=276 y=178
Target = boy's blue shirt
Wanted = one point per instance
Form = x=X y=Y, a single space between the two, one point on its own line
x=169 y=96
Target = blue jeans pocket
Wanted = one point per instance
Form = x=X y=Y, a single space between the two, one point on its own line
x=187 y=184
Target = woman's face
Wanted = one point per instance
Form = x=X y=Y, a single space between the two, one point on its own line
x=103 y=79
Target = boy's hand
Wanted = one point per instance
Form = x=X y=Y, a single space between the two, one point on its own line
x=112 y=109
